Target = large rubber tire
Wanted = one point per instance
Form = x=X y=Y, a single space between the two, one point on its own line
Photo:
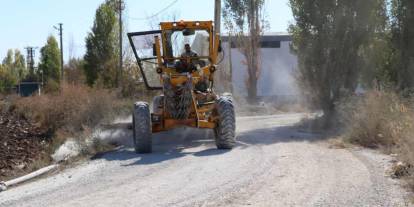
x=225 y=131
x=141 y=122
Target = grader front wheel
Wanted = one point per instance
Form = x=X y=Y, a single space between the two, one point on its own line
x=225 y=132
x=141 y=122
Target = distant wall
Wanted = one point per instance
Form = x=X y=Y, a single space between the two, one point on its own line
x=277 y=66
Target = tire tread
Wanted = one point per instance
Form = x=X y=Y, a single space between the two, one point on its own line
x=142 y=128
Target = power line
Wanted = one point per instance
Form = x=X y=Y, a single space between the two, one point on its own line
x=156 y=14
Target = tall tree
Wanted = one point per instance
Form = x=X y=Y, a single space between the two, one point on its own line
x=244 y=18
x=19 y=65
x=101 y=47
x=402 y=24
x=8 y=60
x=50 y=60
x=329 y=38
x=15 y=64
x=7 y=80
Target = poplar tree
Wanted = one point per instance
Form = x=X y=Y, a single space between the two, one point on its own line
x=330 y=38
x=101 y=47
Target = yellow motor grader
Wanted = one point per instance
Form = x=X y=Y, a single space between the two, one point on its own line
x=180 y=60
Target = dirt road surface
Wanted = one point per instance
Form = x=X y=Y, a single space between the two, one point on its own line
x=274 y=164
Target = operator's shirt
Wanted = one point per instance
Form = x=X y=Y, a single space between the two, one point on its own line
x=189 y=54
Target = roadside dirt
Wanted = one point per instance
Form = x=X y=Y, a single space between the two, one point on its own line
x=21 y=144
x=274 y=164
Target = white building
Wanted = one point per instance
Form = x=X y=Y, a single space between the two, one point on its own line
x=277 y=67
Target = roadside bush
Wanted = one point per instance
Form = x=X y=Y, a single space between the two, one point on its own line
x=375 y=119
x=72 y=110
x=381 y=120
x=51 y=86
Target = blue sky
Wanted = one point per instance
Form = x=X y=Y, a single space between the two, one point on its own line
x=29 y=22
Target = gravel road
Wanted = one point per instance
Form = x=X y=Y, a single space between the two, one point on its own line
x=274 y=164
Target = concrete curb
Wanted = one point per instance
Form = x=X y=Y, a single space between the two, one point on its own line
x=16 y=181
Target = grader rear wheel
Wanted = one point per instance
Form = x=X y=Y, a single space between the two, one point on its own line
x=225 y=132
x=141 y=122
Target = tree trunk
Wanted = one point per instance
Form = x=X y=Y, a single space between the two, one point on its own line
x=252 y=90
x=253 y=65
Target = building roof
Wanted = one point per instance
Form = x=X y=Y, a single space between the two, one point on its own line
x=268 y=37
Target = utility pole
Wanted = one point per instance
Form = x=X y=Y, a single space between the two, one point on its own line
x=223 y=74
x=119 y=72
x=217 y=16
x=61 y=49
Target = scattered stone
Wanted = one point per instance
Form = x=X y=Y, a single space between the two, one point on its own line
x=71 y=148
x=3 y=186
x=400 y=169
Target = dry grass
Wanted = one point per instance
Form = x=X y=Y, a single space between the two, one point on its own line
x=382 y=120
x=375 y=120
x=72 y=110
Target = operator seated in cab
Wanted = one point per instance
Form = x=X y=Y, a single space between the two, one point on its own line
x=187 y=60
x=188 y=52
x=187 y=64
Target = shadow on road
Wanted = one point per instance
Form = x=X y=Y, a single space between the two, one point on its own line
x=266 y=136
x=200 y=142
x=166 y=146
